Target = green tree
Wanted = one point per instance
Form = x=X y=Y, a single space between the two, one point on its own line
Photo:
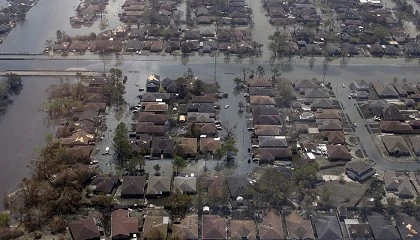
x=229 y=147
x=4 y=219
x=260 y=71
x=198 y=87
x=219 y=153
x=14 y=83
x=122 y=146
x=156 y=168
x=179 y=163
x=179 y=203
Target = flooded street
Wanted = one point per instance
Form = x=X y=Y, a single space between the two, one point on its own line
x=22 y=131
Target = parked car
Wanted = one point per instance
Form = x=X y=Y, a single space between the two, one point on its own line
x=226 y=106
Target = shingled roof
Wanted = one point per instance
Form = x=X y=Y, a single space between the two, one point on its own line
x=214 y=227
x=133 y=186
x=84 y=229
x=243 y=229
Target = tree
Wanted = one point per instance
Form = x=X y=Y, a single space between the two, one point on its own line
x=229 y=147
x=14 y=83
x=260 y=71
x=157 y=168
x=179 y=163
x=219 y=153
x=122 y=147
x=4 y=219
x=285 y=92
x=198 y=87
x=179 y=203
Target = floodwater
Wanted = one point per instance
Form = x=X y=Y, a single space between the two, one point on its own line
x=48 y=16
x=22 y=131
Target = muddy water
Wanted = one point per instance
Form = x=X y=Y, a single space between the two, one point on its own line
x=21 y=131
x=48 y=16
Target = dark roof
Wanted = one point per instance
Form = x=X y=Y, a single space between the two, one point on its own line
x=395 y=143
x=237 y=185
x=133 y=185
x=338 y=152
x=272 y=141
x=259 y=83
x=104 y=184
x=261 y=91
x=322 y=103
x=243 y=229
x=328 y=228
x=122 y=224
x=392 y=113
x=162 y=145
x=155 y=227
x=359 y=167
x=315 y=93
x=382 y=230
x=264 y=110
x=214 y=227
x=84 y=229
x=305 y=83
x=187 y=229
x=158 y=185
x=273 y=154
x=185 y=184
x=272 y=226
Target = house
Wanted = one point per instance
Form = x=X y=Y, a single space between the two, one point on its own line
x=122 y=225
x=328 y=228
x=338 y=153
x=415 y=144
x=267 y=120
x=269 y=155
x=321 y=103
x=271 y=226
x=149 y=128
x=208 y=129
x=155 y=97
x=214 y=185
x=209 y=145
x=362 y=95
x=262 y=100
x=272 y=141
x=329 y=125
x=187 y=147
x=400 y=185
x=156 y=107
x=153 y=83
x=392 y=113
x=200 y=117
x=187 y=228
x=162 y=146
x=384 y=90
x=301 y=85
x=358 y=231
x=361 y=85
x=405 y=89
x=381 y=229
x=409 y=228
x=155 y=227
x=258 y=82
x=267 y=130
x=377 y=106
x=157 y=119
x=313 y=93
x=243 y=229
x=237 y=186
x=334 y=137
x=104 y=184
x=395 y=145
x=359 y=170
x=395 y=127
x=133 y=186
x=158 y=186
x=376 y=50
x=327 y=114
x=297 y=226
x=214 y=227
x=259 y=91
x=258 y=110
x=207 y=98
x=186 y=185
x=84 y=229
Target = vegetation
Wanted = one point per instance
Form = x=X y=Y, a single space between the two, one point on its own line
x=179 y=163
x=14 y=83
x=179 y=203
